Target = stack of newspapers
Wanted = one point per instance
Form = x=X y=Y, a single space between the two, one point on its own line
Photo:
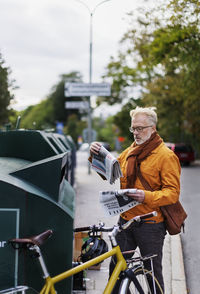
x=116 y=202
x=107 y=165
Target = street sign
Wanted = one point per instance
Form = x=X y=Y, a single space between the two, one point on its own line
x=93 y=135
x=87 y=89
x=77 y=105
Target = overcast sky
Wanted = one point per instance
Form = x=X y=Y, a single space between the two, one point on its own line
x=42 y=39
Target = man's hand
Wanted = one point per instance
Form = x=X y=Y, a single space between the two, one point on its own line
x=95 y=147
x=138 y=195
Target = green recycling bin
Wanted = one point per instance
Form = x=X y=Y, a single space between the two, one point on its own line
x=35 y=195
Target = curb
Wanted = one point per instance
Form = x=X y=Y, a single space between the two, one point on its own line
x=178 y=281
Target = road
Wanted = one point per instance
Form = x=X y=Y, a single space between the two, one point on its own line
x=190 y=197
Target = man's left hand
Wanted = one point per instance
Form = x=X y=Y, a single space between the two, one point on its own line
x=138 y=195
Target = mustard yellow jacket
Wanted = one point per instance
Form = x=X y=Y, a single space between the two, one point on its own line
x=162 y=171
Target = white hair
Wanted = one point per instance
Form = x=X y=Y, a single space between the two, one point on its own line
x=148 y=111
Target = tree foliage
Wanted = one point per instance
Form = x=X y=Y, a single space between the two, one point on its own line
x=161 y=56
x=39 y=116
x=74 y=126
x=106 y=130
x=58 y=98
x=47 y=113
x=5 y=91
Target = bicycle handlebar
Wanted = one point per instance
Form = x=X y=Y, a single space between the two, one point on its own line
x=94 y=228
x=139 y=218
x=38 y=240
x=100 y=227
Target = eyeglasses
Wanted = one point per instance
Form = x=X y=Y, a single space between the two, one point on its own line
x=138 y=129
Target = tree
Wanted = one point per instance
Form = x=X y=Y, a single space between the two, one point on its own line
x=175 y=47
x=5 y=94
x=162 y=58
x=106 y=130
x=74 y=127
x=38 y=116
x=58 y=98
x=48 y=112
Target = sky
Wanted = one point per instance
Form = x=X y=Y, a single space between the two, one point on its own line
x=43 y=39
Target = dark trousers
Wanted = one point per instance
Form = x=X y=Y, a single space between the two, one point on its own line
x=149 y=237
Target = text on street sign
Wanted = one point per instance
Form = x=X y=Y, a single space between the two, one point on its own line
x=87 y=89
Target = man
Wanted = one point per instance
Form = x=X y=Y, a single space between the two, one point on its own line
x=160 y=168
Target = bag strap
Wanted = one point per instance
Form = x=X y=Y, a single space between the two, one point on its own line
x=148 y=188
x=144 y=182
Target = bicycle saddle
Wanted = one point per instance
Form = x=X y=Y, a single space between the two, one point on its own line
x=34 y=240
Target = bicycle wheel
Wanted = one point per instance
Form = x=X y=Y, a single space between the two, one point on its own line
x=143 y=276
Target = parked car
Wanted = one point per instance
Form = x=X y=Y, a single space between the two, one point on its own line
x=184 y=151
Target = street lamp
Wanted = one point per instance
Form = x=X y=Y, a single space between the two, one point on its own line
x=91 y=12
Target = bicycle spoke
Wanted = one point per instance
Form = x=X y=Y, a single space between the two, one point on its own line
x=144 y=278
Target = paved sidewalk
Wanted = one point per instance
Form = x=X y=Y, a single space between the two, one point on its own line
x=89 y=211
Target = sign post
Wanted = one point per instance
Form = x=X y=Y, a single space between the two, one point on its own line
x=86 y=90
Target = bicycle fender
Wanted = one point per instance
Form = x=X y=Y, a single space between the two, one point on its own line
x=130 y=274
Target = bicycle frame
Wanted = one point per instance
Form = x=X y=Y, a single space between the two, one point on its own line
x=121 y=265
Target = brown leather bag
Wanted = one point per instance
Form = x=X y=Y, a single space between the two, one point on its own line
x=174 y=214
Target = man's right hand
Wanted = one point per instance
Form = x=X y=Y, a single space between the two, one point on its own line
x=95 y=147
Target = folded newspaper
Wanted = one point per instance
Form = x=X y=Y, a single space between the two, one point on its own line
x=116 y=202
x=107 y=165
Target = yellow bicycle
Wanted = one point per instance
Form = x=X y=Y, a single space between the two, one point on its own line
x=134 y=277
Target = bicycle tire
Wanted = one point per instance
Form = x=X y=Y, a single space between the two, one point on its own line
x=127 y=286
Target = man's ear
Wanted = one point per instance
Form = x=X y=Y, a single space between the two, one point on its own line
x=154 y=128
